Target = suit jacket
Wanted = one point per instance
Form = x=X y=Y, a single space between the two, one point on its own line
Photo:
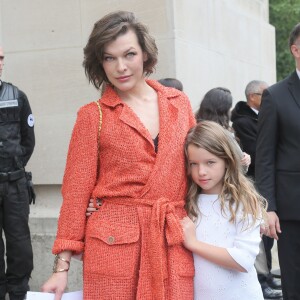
x=244 y=123
x=278 y=148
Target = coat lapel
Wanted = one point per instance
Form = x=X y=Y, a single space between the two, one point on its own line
x=168 y=116
x=131 y=119
x=294 y=87
x=111 y=98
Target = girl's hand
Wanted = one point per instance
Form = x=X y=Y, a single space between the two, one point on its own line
x=246 y=160
x=57 y=284
x=91 y=208
x=189 y=233
x=264 y=230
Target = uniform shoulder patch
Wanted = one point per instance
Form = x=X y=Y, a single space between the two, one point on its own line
x=30 y=120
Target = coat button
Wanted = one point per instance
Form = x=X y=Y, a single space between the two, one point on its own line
x=110 y=240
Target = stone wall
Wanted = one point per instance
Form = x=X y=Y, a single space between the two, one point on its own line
x=205 y=44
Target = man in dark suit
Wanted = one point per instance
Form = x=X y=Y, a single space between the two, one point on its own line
x=278 y=168
x=244 y=119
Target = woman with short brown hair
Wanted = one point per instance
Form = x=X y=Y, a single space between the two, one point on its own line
x=132 y=246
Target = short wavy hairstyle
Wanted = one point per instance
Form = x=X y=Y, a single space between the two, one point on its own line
x=108 y=29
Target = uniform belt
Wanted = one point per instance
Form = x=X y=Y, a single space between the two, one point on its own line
x=11 y=176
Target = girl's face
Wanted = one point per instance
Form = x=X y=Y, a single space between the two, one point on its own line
x=206 y=170
x=123 y=62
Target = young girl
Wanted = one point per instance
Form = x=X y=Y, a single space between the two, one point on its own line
x=225 y=213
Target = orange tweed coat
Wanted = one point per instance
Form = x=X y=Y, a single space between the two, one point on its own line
x=133 y=244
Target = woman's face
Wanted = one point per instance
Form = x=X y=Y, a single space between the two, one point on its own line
x=123 y=61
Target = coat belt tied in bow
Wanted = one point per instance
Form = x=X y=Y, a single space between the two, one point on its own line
x=164 y=225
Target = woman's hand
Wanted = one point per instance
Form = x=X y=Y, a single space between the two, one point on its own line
x=264 y=229
x=91 y=208
x=246 y=160
x=189 y=233
x=57 y=284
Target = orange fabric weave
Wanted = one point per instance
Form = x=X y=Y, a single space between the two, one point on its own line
x=132 y=245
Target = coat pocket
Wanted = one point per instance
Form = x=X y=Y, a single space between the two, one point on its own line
x=112 y=250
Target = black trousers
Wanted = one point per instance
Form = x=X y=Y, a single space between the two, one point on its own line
x=289 y=259
x=14 y=213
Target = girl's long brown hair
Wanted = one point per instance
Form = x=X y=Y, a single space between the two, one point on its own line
x=238 y=191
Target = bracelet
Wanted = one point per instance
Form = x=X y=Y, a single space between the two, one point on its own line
x=55 y=270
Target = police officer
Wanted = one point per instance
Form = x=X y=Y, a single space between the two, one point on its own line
x=16 y=146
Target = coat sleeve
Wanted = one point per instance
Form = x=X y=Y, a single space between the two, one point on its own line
x=78 y=183
x=267 y=135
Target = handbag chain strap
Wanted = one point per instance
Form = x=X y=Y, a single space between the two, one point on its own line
x=99 y=129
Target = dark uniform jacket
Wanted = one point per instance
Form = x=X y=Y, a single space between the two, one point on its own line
x=244 y=122
x=16 y=128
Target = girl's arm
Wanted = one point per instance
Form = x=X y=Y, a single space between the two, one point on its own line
x=214 y=254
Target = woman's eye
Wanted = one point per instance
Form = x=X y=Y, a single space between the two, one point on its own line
x=210 y=163
x=130 y=54
x=108 y=58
